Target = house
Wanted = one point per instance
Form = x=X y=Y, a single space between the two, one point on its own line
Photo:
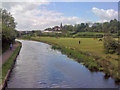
x=55 y=29
x=48 y=30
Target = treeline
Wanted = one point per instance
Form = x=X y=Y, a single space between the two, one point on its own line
x=96 y=30
x=8 y=29
x=100 y=29
x=111 y=27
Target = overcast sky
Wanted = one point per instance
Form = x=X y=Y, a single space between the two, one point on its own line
x=40 y=15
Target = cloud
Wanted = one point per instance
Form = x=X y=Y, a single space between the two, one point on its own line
x=32 y=16
x=60 y=0
x=105 y=15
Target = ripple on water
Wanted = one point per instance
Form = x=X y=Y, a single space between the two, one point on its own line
x=38 y=66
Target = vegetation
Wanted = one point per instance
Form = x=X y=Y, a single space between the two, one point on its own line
x=8 y=64
x=96 y=54
x=89 y=35
x=8 y=35
x=89 y=52
x=110 y=44
x=8 y=29
x=83 y=30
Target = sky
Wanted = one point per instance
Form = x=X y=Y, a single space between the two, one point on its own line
x=41 y=15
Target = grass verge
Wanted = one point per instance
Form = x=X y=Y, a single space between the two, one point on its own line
x=8 y=64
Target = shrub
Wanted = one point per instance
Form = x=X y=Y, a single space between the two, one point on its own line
x=110 y=44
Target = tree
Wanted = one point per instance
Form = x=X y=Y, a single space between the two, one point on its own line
x=61 y=26
x=39 y=33
x=105 y=27
x=8 y=28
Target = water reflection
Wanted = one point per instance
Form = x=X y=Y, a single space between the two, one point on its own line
x=39 y=66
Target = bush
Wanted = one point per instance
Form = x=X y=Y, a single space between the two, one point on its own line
x=110 y=44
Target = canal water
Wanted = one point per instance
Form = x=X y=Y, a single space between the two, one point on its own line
x=39 y=66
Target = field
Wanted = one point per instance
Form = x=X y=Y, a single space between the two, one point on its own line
x=88 y=45
x=89 y=52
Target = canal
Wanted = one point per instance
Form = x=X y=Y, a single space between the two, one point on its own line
x=39 y=66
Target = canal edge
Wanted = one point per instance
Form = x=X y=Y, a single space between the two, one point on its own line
x=4 y=85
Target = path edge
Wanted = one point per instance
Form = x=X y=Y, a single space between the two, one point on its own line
x=4 y=84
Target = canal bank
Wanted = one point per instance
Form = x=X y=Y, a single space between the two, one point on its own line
x=93 y=63
x=39 y=66
x=9 y=59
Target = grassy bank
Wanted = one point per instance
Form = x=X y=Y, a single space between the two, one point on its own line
x=8 y=64
x=89 y=52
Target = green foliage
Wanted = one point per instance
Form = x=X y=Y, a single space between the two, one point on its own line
x=8 y=35
x=87 y=30
x=111 y=27
x=8 y=28
x=67 y=28
x=96 y=30
x=26 y=37
x=89 y=34
x=110 y=44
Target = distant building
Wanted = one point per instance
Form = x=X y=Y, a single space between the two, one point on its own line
x=55 y=29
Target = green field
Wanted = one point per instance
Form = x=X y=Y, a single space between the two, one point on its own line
x=88 y=45
x=89 y=52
